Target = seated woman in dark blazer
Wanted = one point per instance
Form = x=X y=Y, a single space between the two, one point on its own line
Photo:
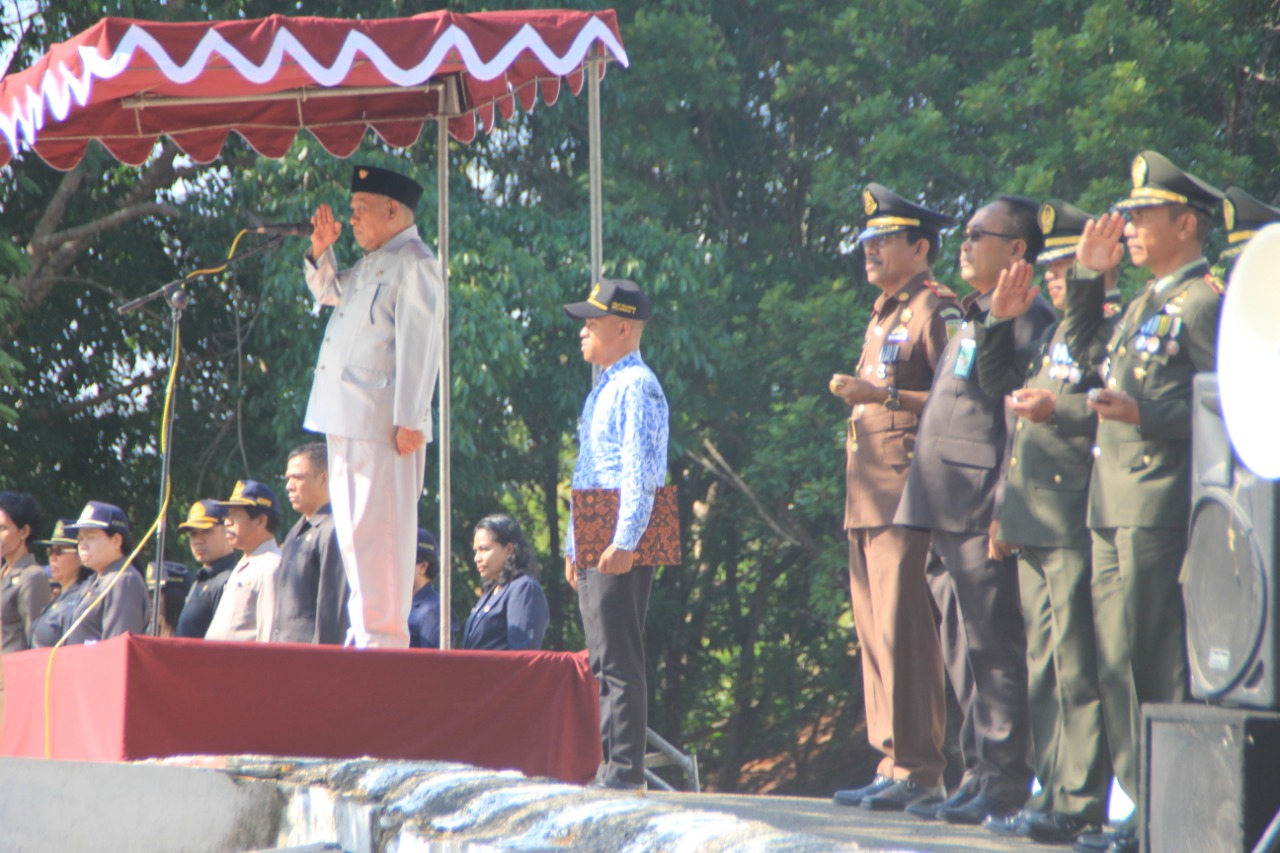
x=512 y=613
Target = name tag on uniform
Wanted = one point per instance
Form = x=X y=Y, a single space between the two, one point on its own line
x=964 y=359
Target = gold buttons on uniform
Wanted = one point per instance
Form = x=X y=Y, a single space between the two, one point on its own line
x=1146 y=460
x=1057 y=478
x=911 y=454
x=1120 y=351
x=1013 y=463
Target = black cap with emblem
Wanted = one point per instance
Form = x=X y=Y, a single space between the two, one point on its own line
x=888 y=213
x=371 y=179
x=1063 y=226
x=1243 y=214
x=615 y=296
x=1156 y=181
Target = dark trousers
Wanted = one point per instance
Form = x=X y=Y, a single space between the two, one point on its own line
x=984 y=649
x=613 y=611
x=1139 y=620
x=1072 y=759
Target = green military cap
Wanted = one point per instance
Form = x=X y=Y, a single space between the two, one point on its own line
x=60 y=536
x=1243 y=214
x=888 y=213
x=1156 y=181
x=1063 y=225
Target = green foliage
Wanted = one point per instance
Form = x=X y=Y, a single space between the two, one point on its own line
x=736 y=148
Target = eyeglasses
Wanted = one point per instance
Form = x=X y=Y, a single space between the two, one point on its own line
x=973 y=235
x=880 y=241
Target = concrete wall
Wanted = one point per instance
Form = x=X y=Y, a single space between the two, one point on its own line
x=81 y=807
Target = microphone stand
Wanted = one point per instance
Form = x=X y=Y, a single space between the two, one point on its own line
x=177 y=298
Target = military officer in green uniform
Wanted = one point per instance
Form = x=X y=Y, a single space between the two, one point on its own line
x=1043 y=514
x=1140 y=490
x=1243 y=214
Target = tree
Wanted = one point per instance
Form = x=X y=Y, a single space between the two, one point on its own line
x=736 y=149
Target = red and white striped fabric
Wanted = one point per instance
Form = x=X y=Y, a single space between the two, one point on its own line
x=126 y=83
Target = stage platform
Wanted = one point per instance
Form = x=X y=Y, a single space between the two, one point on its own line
x=220 y=804
x=134 y=697
x=851 y=828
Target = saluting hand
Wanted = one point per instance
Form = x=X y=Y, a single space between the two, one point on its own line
x=1035 y=404
x=1013 y=294
x=1100 y=247
x=325 y=230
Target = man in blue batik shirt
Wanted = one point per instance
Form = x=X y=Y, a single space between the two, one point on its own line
x=622 y=444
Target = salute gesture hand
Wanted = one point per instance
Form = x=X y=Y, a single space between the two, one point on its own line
x=1100 y=247
x=325 y=231
x=1013 y=294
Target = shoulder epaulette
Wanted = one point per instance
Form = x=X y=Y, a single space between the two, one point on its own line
x=940 y=290
x=1216 y=284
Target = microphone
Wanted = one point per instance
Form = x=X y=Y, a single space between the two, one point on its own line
x=284 y=229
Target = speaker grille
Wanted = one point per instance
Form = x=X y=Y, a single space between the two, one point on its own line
x=1225 y=590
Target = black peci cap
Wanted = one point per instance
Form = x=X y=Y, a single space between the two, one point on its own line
x=888 y=213
x=371 y=179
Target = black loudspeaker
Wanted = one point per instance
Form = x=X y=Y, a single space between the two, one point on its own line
x=1211 y=778
x=1229 y=576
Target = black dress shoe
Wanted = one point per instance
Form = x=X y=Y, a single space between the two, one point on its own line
x=1055 y=828
x=931 y=811
x=1124 y=841
x=854 y=796
x=900 y=795
x=1016 y=825
x=1113 y=841
x=977 y=810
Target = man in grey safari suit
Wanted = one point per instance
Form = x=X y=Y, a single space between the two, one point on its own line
x=371 y=395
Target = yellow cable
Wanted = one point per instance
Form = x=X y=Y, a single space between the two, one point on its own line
x=164 y=510
x=142 y=542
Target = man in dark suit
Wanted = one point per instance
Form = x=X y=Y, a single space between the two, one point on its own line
x=310 y=587
x=952 y=491
x=902 y=679
x=1140 y=490
x=1043 y=513
x=207 y=536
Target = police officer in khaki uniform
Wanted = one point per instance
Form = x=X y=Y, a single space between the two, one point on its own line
x=1043 y=513
x=1243 y=214
x=1140 y=491
x=951 y=491
x=902 y=674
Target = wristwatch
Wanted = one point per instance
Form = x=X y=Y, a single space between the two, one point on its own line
x=892 y=402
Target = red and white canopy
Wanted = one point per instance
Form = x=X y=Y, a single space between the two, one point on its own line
x=127 y=82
